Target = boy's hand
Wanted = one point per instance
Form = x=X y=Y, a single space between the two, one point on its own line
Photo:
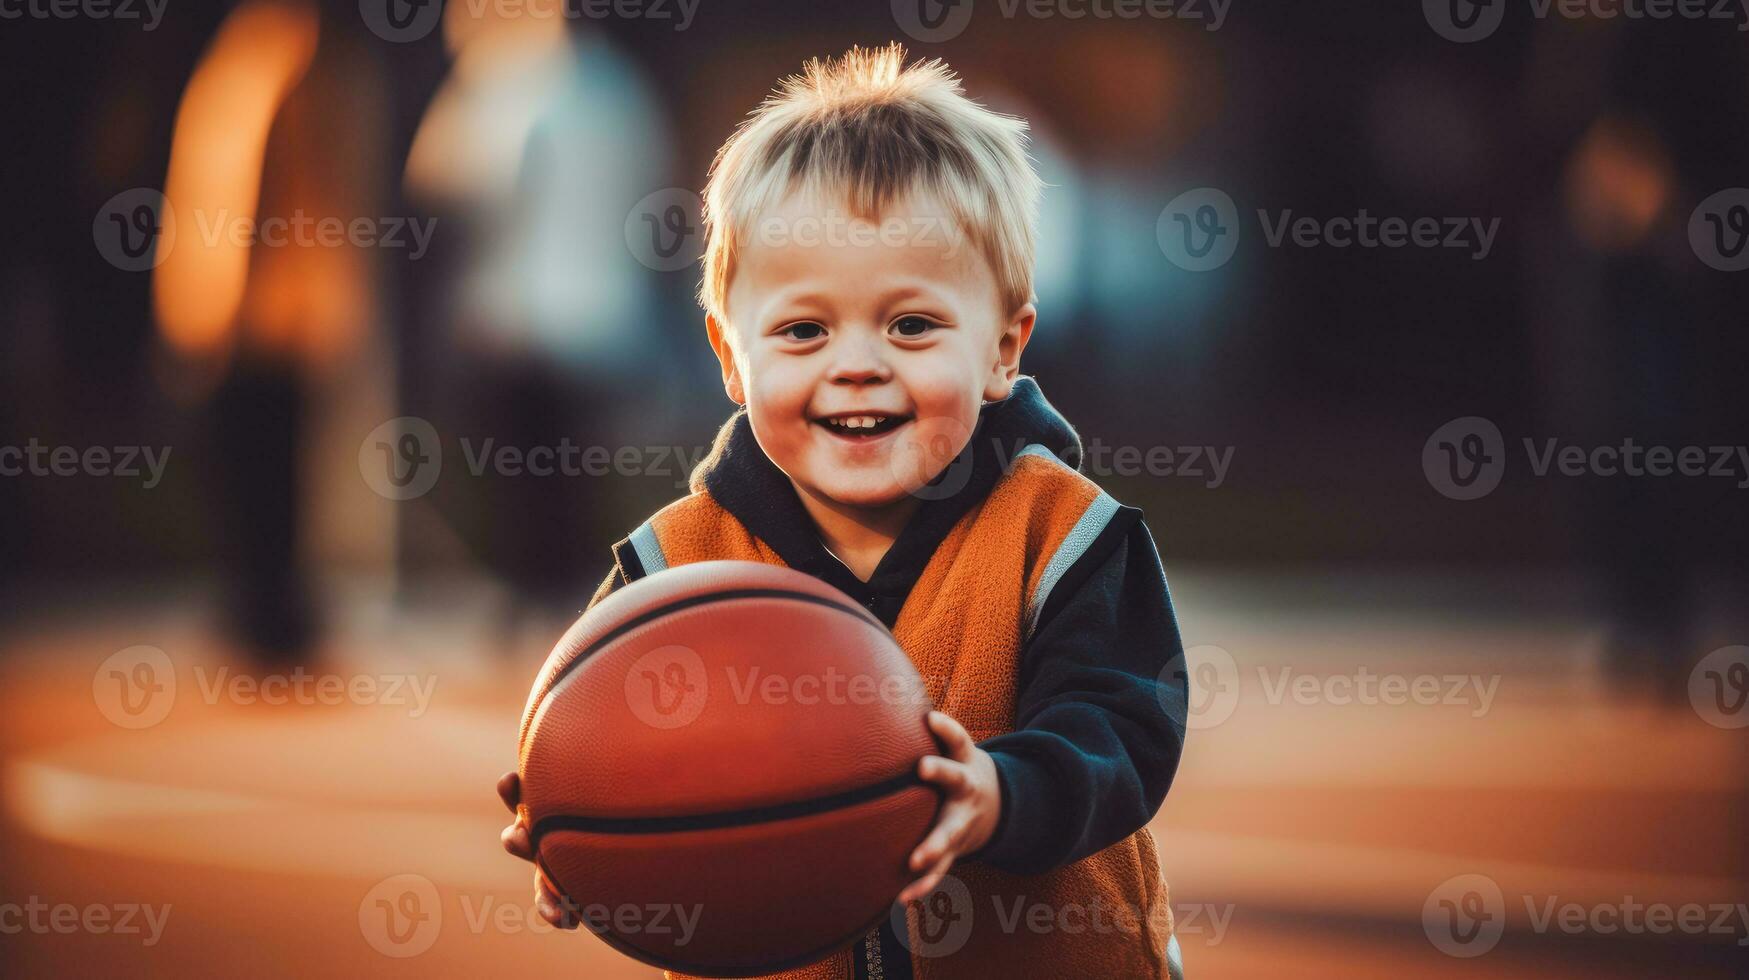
x=969 y=816
x=547 y=901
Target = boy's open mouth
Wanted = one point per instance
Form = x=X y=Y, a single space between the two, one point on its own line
x=855 y=426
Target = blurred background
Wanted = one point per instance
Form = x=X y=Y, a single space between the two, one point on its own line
x=300 y=296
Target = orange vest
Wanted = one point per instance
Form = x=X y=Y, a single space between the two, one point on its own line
x=963 y=625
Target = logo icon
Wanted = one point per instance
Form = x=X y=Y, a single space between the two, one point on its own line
x=932 y=458
x=1465 y=916
x=1718 y=687
x=667 y=687
x=665 y=230
x=932 y=21
x=1210 y=677
x=1718 y=230
x=401 y=916
x=400 y=21
x=135 y=687
x=1199 y=229
x=1465 y=458
x=944 y=920
x=402 y=458
x=135 y=230
x=1464 y=21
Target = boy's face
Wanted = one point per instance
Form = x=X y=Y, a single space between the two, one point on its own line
x=863 y=350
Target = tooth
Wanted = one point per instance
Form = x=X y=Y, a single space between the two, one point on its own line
x=855 y=422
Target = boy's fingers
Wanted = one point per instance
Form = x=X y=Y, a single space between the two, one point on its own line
x=549 y=910
x=926 y=884
x=545 y=902
x=510 y=790
x=551 y=906
x=953 y=736
x=930 y=850
x=515 y=838
x=946 y=773
x=940 y=840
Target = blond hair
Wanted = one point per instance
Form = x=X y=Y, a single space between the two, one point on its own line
x=866 y=130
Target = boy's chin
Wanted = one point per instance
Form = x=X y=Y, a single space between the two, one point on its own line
x=865 y=497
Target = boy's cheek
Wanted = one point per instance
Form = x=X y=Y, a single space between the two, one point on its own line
x=927 y=449
x=937 y=440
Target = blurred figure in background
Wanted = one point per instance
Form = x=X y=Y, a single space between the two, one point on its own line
x=272 y=331
x=1636 y=332
x=539 y=146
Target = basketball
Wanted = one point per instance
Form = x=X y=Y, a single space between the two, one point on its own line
x=719 y=768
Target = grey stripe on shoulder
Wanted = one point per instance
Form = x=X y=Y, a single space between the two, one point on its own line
x=1081 y=537
x=648 y=548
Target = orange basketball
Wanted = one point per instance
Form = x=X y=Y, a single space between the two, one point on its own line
x=719 y=768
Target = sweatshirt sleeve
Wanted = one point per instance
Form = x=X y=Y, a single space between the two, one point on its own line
x=1100 y=710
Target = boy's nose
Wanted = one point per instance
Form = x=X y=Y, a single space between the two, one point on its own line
x=859 y=362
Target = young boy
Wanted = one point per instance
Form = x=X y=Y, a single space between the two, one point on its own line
x=868 y=291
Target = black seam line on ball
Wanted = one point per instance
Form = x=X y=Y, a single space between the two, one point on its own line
x=699 y=600
x=727 y=818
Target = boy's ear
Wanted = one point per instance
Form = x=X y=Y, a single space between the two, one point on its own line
x=1009 y=343
x=725 y=351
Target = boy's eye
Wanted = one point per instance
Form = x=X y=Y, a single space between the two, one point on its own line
x=806 y=330
x=913 y=326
